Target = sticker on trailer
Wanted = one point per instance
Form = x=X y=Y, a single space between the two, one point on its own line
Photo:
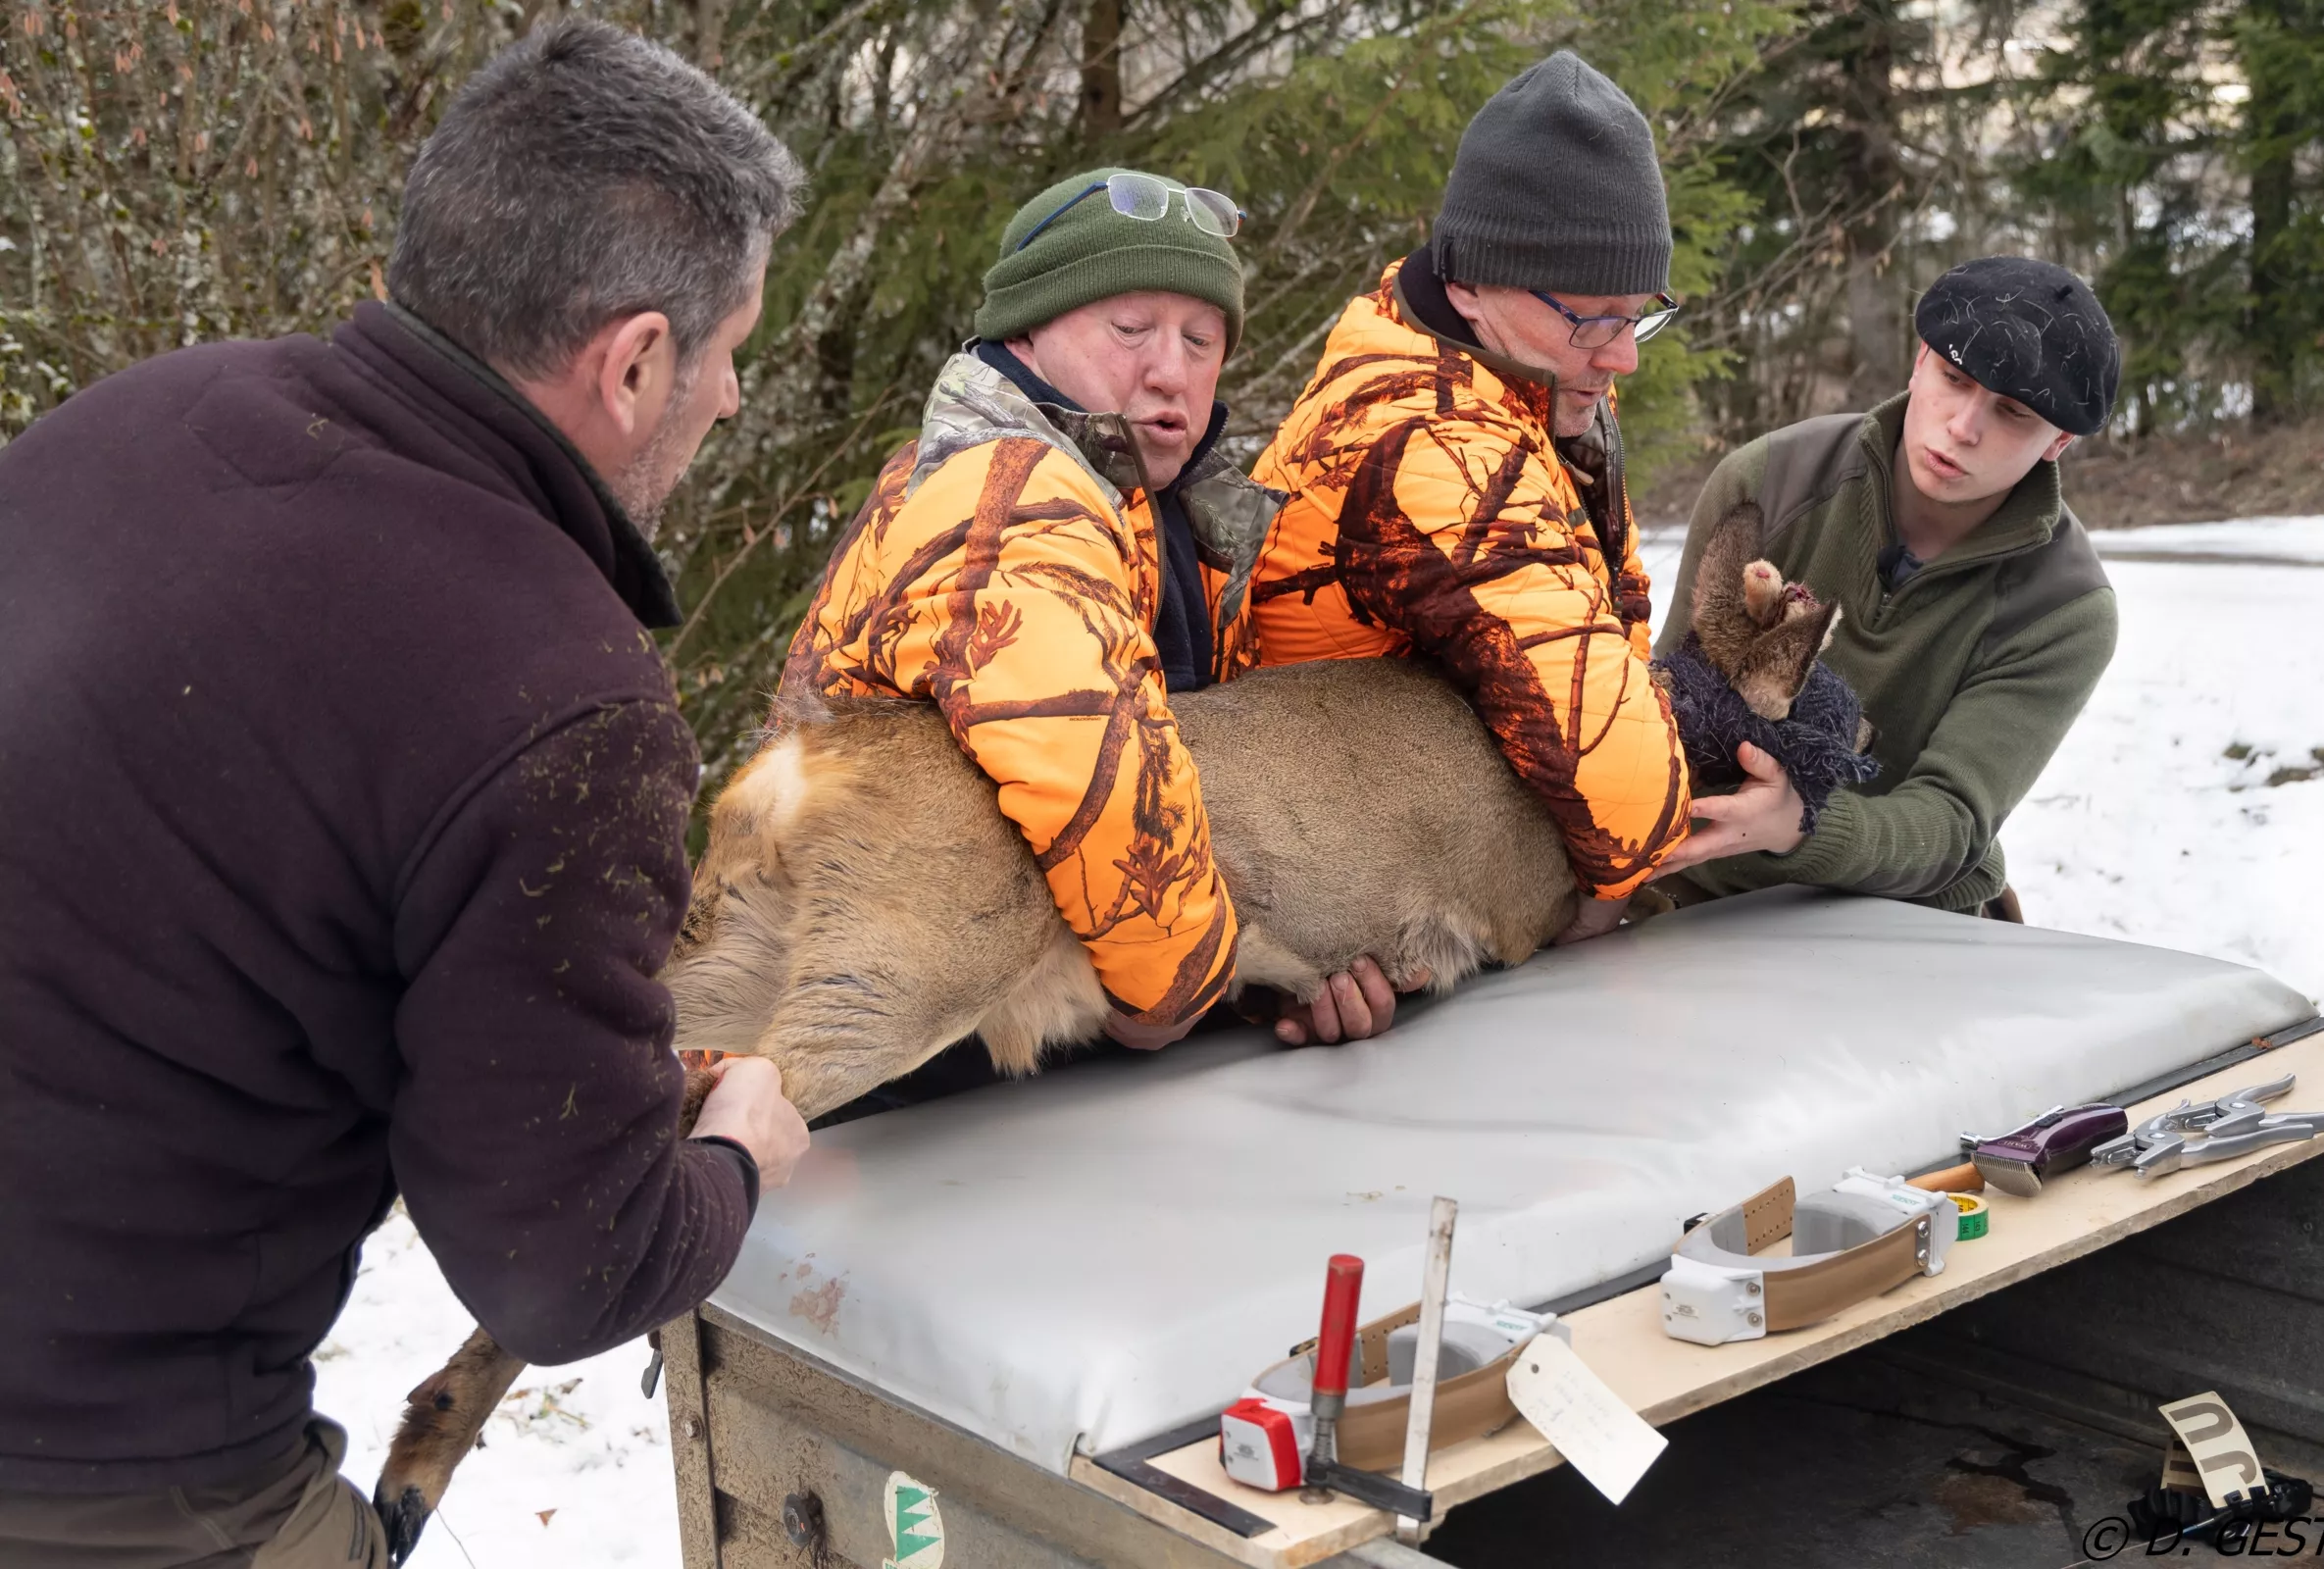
x=915 y=1531
x=2220 y=1449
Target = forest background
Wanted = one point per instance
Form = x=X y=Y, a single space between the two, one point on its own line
x=174 y=171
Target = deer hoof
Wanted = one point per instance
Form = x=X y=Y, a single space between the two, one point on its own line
x=403 y=1515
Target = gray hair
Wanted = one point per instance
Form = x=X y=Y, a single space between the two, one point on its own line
x=581 y=175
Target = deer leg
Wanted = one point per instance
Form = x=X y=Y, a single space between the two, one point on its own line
x=1059 y=1002
x=837 y=1036
x=442 y=1420
x=445 y=1417
x=1262 y=961
x=698 y=1085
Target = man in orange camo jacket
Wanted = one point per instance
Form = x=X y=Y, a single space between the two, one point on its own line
x=1455 y=470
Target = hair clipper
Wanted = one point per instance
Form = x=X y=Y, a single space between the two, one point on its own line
x=2057 y=1141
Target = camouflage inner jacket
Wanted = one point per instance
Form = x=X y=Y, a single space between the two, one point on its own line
x=1007 y=567
x=1430 y=514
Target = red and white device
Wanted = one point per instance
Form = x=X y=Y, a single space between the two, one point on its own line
x=1263 y=1443
x=1266 y=1442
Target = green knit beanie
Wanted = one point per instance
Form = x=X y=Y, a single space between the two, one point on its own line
x=1091 y=252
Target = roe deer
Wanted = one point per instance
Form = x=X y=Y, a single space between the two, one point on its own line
x=863 y=904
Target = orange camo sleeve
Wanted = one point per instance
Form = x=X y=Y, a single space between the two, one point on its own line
x=1043 y=666
x=1455 y=531
x=849 y=577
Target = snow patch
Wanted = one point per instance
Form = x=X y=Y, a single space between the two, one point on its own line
x=576 y=1463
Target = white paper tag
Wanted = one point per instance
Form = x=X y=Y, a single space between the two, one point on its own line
x=2216 y=1441
x=1599 y=1437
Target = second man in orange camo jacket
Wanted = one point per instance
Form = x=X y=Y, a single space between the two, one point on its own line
x=1060 y=548
x=1455 y=470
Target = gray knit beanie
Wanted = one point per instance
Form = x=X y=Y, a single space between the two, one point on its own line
x=1556 y=187
x=1089 y=252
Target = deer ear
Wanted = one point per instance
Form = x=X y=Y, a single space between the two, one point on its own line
x=1766 y=692
x=1781 y=661
x=1732 y=544
x=1814 y=634
x=1746 y=519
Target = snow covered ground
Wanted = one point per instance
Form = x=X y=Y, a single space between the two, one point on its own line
x=575 y=1465
x=2186 y=809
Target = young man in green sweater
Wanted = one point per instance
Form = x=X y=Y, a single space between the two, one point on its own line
x=1975 y=616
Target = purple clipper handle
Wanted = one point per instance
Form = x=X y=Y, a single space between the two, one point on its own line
x=2017 y=1162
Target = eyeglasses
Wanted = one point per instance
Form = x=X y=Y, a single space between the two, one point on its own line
x=1596 y=332
x=1146 y=197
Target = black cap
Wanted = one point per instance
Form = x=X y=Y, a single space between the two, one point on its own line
x=2029 y=330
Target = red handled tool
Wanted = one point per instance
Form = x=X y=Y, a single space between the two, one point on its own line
x=1334 y=1344
x=1343 y=1288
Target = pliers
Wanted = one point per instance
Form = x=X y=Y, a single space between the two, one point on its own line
x=2230 y=1126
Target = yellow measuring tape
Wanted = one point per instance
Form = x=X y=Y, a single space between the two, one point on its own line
x=1973 y=1215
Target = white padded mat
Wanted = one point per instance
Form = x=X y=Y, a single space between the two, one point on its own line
x=1096 y=1256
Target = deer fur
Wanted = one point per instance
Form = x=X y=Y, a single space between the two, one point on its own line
x=863 y=904
x=444 y=1418
x=1750 y=671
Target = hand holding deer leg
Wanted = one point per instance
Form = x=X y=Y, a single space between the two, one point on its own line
x=1355 y=1004
x=1593 y=918
x=1762 y=815
x=1138 y=1036
x=746 y=1104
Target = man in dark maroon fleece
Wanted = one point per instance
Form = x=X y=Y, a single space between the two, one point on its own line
x=342 y=798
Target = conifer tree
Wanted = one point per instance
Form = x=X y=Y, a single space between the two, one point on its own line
x=197 y=169
x=2279 y=46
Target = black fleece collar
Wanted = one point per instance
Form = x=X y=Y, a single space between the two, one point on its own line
x=1449 y=326
x=587 y=511
x=1423 y=293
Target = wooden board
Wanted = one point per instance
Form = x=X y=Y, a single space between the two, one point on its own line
x=799 y=1455
x=1663 y=1379
x=681 y=1342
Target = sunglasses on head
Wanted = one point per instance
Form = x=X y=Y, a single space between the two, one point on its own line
x=1146 y=197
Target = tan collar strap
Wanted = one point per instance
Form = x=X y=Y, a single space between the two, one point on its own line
x=1718 y=1289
